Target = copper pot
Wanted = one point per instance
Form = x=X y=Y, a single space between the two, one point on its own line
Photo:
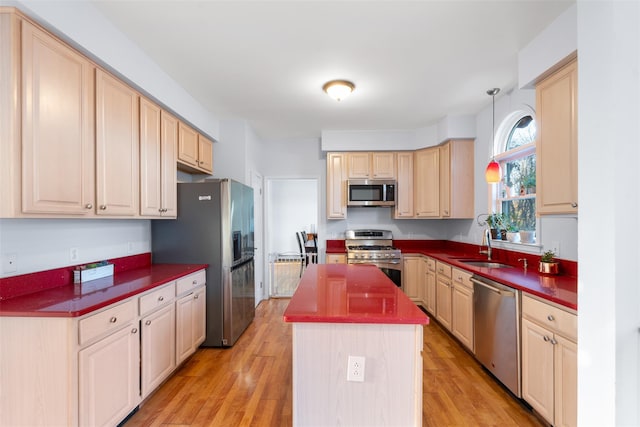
x=549 y=267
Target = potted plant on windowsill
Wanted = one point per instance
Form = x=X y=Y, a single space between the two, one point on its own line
x=496 y=225
x=548 y=264
x=512 y=233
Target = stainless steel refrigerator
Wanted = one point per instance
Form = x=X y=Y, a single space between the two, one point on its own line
x=214 y=226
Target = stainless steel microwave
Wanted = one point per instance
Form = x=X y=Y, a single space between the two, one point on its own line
x=371 y=192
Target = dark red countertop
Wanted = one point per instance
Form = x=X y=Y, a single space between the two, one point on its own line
x=341 y=293
x=561 y=289
x=69 y=300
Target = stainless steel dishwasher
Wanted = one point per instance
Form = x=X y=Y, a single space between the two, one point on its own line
x=496 y=327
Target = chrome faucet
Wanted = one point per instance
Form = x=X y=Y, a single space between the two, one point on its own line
x=486 y=241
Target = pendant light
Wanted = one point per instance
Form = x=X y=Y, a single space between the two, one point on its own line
x=492 y=174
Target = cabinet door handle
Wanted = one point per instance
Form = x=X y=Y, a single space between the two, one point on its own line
x=114 y=319
x=161 y=298
x=134 y=331
x=103 y=207
x=88 y=206
x=574 y=205
x=546 y=338
x=148 y=322
x=553 y=341
x=550 y=318
x=196 y=296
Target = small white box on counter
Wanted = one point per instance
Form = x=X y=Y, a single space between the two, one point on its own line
x=87 y=274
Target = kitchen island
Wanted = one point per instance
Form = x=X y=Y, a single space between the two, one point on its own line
x=351 y=320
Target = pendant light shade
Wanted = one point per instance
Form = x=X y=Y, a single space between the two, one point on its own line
x=493 y=174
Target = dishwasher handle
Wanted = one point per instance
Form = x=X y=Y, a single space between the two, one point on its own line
x=500 y=291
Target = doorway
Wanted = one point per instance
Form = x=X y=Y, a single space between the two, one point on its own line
x=291 y=207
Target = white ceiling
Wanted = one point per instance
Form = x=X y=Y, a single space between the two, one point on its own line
x=413 y=62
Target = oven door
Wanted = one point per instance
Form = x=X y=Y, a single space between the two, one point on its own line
x=392 y=269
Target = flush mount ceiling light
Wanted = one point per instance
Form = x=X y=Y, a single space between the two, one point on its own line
x=338 y=89
x=492 y=173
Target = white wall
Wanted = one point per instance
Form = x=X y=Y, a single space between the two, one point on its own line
x=292 y=206
x=552 y=45
x=44 y=244
x=609 y=200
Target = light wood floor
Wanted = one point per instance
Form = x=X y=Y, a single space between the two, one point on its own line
x=250 y=383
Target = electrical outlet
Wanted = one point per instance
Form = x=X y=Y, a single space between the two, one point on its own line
x=73 y=254
x=355 y=369
x=9 y=263
x=555 y=247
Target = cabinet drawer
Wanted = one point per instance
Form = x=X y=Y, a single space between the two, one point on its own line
x=550 y=317
x=431 y=264
x=462 y=277
x=157 y=298
x=443 y=269
x=107 y=320
x=191 y=281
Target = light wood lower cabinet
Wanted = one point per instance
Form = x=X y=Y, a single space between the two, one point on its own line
x=190 y=323
x=336 y=258
x=462 y=307
x=549 y=361
x=430 y=296
x=158 y=352
x=411 y=277
x=109 y=377
x=443 y=294
x=95 y=369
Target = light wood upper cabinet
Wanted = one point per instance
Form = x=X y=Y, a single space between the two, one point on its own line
x=371 y=165
x=205 y=154
x=456 y=179
x=404 y=187
x=557 y=142
x=158 y=141
x=117 y=147
x=195 y=152
x=57 y=127
x=427 y=183
x=336 y=186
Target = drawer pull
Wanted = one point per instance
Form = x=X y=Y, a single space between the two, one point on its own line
x=160 y=298
x=114 y=319
x=88 y=206
x=134 y=331
x=195 y=282
x=103 y=207
x=148 y=322
x=550 y=318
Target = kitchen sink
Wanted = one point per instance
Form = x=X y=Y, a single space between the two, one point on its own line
x=485 y=264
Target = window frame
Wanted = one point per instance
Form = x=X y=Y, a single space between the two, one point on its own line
x=501 y=156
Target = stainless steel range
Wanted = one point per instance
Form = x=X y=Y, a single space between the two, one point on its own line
x=375 y=247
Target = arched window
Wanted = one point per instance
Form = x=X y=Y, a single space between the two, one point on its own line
x=515 y=195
